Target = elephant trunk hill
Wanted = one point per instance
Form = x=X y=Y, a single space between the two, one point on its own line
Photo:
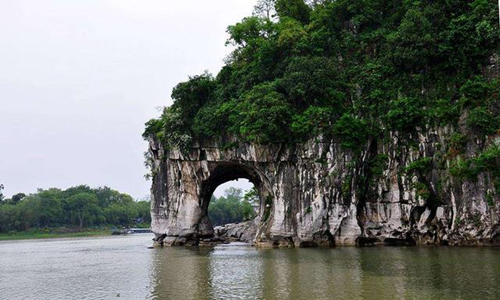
x=358 y=122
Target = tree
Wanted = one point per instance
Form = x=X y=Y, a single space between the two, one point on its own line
x=83 y=188
x=144 y=211
x=346 y=70
x=251 y=196
x=265 y=8
x=233 y=193
x=18 y=197
x=27 y=214
x=295 y=9
x=107 y=196
x=1 y=192
x=230 y=208
x=313 y=81
x=353 y=132
x=82 y=206
x=191 y=95
x=414 y=44
x=50 y=206
x=263 y=115
x=483 y=121
x=120 y=214
x=8 y=217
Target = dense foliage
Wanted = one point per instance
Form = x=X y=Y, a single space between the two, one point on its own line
x=342 y=69
x=233 y=207
x=359 y=73
x=76 y=207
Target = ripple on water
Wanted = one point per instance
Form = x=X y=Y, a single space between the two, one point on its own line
x=105 y=268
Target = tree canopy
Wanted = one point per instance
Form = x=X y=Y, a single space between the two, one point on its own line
x=233 y=207
x=345 y=70
x=79 y=207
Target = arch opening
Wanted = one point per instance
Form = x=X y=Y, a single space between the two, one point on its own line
x=235 y=201
x=244 y=217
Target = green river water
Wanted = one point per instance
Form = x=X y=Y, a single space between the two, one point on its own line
x=124 y=268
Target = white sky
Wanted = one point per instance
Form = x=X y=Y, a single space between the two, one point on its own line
x=78 y=80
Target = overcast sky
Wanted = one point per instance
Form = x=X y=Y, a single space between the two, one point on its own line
x=78 y=80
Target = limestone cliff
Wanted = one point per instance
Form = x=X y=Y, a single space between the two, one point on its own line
x=319 y=194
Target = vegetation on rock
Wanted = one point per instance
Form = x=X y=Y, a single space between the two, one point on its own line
x=348 y=70
x=358 y=73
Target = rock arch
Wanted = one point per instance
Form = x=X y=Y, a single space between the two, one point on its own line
x=320 y=194
x=222 y=172
x=293 y=209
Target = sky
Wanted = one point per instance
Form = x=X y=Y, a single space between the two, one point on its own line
x=78 y=80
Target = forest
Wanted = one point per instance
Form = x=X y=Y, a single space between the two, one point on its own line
x=82 y=208
x=76 y=208
x=356 y=73
x=352 y=70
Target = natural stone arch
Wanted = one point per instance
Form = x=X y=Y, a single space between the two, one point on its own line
x=298 y=207
x=319 y=194
x=228 y=171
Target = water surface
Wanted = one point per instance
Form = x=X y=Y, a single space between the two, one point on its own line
x=123 y=268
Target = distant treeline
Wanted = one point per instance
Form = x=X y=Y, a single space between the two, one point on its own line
x=233 y=207
x=77 y=207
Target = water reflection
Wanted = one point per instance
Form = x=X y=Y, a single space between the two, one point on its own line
x=242 y=272
x=123 y=268
x=180 y=273
x=236 y=272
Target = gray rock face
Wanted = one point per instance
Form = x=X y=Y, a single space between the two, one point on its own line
x=241 y=232
x=318 y=194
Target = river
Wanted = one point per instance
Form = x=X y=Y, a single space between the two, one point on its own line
x=124 y=268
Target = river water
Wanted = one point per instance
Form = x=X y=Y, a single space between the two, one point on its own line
x=124 y=268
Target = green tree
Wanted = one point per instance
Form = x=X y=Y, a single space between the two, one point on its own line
x=313 y=81
x=353 y=132
x=80 y=205
x=191 y=95
x=144 y=211
x=107 y=196
x=343 y=71
x=414 y=43
x=262 y=115
x=8 y=217
x=251 y=196
x=405 y=115
x=50 y=206
x=18 y=197
x=265 y=8
x=483 y=121
x=314 y=121
x=83 y=206
x=295 y=9
x=121 y=214
x=230 y=208
x=27 y=214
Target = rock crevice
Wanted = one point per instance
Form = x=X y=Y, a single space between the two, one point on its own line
x=318 y=194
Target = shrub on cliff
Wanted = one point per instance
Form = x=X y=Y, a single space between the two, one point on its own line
x=398 y=66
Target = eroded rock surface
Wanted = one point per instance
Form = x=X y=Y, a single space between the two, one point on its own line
x=318 y=194
x=242 y=232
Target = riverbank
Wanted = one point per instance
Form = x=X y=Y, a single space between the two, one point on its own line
x=53 y=234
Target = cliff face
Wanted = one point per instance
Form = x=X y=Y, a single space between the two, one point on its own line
x=319 y=194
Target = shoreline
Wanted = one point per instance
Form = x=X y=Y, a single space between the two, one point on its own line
x=53 y=235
